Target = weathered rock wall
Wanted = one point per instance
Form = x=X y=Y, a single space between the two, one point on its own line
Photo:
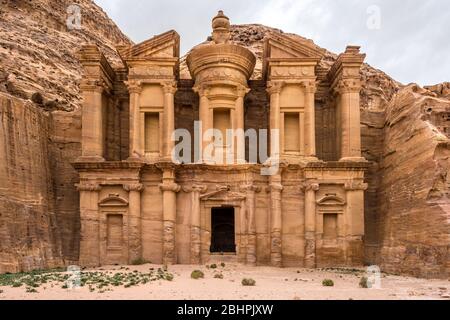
x=29 y=235
x=413 y=222
x=41 y=128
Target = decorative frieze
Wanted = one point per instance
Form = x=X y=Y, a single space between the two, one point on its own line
x=93 y=187
x=355 y=186
x=139 y=187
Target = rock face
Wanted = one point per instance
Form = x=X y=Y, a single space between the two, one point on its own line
x=405 y=136
x=40 y=129
x=412 y=226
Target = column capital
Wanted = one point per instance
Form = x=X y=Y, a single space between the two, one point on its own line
x=277 y=187
x=133 y=187
x=195 y=188
x=84 y=186
x=202 y=90
x=134 y=86
x=310 y=186
x=250 y=188
x=355 y=186
x=169 y=87
x=310 y=86
x=350 y=85
x=173 y=187
x=93 y=85
x=241 y=91
x=274 y=87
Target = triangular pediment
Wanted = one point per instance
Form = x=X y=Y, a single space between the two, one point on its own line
x=279 y=46
x=113 y=200
x=166 y=45
x=223 y=194
x=331 y=200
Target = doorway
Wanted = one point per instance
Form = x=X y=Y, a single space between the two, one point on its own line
x=223 y=230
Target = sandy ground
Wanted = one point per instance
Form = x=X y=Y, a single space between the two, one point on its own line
x=271 y=284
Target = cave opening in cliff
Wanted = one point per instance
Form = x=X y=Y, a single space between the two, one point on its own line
x=223 y=230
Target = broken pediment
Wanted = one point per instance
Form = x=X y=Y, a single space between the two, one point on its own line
x=279 y=46
x=113 y=200
x=331 y=200
x=223 y=194
x=166 y=45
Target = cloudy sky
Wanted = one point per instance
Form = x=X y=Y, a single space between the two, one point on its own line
x=407 y=39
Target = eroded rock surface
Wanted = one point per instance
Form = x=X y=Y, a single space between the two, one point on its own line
x=405 y=132
x=40 y=129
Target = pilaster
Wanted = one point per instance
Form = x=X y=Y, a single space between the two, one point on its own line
x=310 y=224
x=275 y=188
x=196 y=191
x=134 y=221
x=90 y=224
x=169 y=189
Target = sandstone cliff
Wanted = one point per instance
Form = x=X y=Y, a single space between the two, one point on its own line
x=41 y=129
x=405 y=133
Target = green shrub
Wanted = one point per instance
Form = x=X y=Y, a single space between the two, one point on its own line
x=218 y=276
x=139 y=262
x=248 y=282
x=328 y=283
x=213 y=266
x=168 y=277
x=222 y=265
x=363 y=283
x=197 y=274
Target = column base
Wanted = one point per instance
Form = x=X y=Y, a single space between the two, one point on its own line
x=90 y=159
x=353 y=159
x=135 y=159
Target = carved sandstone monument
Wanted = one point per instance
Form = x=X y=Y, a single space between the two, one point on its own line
x=136 y=202
x=363 y=171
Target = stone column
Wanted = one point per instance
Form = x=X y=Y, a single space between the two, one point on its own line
x=170 y=88
x=275 y=188
x=92 y=142
x=251 y=191
x=204 y=117
x=90 y=228
x=274 y=90
x=196 y=191
x=240 y=124
x=134 y=221
x=350 y=117
x=355 y=221
x=310 y=118
x=136 y=148
x=169 y=189
x=310 y=225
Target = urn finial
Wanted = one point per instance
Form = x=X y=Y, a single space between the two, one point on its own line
x=221 y=28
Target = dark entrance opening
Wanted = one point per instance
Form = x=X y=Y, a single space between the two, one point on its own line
x=222 y=230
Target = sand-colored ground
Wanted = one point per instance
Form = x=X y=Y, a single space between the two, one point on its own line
x=271 y=284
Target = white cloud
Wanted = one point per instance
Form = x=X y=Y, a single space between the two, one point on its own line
x=411 y=44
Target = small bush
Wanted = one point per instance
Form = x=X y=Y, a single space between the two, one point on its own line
x=328 y=283
x=222 y=265
x=248 y=282
x=197 y=274
x=213 y=266
x=363 y=283
x=139 y=262
x=218 y=276
x=168 y=277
